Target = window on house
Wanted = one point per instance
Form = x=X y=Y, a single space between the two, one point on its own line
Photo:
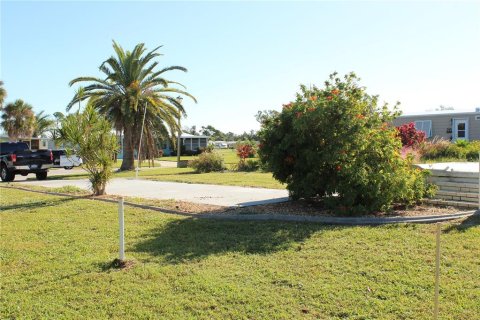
x=425 y=126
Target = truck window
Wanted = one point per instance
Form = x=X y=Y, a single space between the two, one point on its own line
x=6 y=147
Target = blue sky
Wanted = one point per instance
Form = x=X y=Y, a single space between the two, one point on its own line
x=248 y=56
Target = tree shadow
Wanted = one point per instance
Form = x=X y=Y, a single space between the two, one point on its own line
x=36 y=204
x=192 y=238
x=472 y=221
x=60 y=177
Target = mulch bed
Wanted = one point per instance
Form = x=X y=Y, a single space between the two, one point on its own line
x=306 y=208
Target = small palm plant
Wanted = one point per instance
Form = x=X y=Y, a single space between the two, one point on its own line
x=90 y=134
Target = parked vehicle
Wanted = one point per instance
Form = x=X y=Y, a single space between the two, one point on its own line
x=17 y=158
x=62 y=160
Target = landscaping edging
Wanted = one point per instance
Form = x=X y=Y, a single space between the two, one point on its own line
x=353 y=221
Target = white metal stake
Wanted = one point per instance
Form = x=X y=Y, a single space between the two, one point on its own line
x=437 y=271
x=122 y=233
x=479 y=181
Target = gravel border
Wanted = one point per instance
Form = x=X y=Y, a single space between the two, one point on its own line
x=353 y=221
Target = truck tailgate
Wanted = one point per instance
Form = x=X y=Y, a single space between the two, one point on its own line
x=35 y=159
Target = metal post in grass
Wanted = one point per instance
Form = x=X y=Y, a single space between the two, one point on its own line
x=122 y=229
x=437 y=271
x=479 y=181
x=179 y=140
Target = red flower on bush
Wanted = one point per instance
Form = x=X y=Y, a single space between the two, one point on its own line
x=311 y=109
x=287 y=106
x=360 y=116
x=299 y=114
x=335 y=91
x=329 y=98
x=313 y=98
x=339 y=168
x=409 y=135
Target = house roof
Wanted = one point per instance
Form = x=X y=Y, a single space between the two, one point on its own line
x=188 y=135
x=439 y=113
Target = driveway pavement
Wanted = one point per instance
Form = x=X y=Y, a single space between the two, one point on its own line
x=198 y=193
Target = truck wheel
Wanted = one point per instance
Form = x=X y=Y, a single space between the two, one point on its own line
x=68 y=168
x=41 y=175
x=6 y=175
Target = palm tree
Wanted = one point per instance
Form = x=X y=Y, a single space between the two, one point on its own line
x=3 y=94
x=43 y=123
x=131 y=84
x=18 y=120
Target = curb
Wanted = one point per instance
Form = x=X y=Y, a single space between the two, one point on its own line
x=352 y=221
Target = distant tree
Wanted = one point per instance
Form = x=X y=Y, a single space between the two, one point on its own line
x=213 y=133
x=230 y=136
x=444 y=108
x=91 y=136
x=59 y=116
x=191 y=130
x=18 y=120
x=43 y=124
x=3 y=94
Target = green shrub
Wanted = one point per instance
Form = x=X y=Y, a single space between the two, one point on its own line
x=336 y=144
x=207 y=162
x=460 y=150
x=247 y=165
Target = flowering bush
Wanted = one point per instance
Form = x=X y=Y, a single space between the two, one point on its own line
x=410 y=136
x=245 y=150
x=336 y=144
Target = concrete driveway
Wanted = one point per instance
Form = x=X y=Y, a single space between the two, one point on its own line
x=229 y=196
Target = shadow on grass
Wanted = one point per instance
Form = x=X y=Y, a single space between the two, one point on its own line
x=192 y=239
x=472 y=221
x=60 y=177
x=37 y=204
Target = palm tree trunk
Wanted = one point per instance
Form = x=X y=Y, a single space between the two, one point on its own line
x=128 y=149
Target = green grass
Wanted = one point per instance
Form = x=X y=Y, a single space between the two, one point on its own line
x=229 y=156
x=187 y=175
x=55 y=255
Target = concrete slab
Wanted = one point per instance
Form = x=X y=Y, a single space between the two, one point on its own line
x=229 y=196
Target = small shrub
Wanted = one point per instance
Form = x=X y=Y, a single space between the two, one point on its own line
x=245 y=150
x=208 y=149
x=462 y=143
x=247 y=165
x=472 y=155
x=410 y=136
x=440 y=148
x=207 y=162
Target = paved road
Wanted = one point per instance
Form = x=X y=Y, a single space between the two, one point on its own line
x=197 y=193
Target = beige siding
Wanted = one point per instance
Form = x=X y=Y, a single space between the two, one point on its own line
x=442 y=122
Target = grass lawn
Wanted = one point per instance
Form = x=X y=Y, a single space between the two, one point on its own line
x=229 y=156
x=55 y=255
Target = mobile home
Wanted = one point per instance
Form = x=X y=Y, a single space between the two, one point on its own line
x=447 y=125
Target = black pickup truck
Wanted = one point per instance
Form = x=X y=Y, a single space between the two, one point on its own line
x=17 y=158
